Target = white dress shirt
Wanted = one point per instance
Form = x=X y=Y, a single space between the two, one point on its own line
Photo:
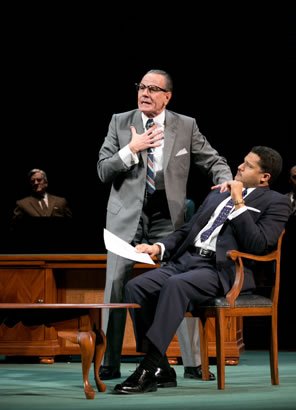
x=45 y=200
x=130 y=159
x=210 y=243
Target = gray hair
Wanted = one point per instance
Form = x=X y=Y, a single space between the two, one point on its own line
x=34 y=171
x=167 y=76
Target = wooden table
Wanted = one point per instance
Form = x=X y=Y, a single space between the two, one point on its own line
x=75 y=279
x=89 y=334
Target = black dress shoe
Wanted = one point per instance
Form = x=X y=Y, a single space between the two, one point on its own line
x=141 y=381
x=166 y=378
x=109 y=372
x=196 y=373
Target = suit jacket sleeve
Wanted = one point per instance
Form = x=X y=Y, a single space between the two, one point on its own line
x=208 y=160
x=110 y=165
x=254 y=231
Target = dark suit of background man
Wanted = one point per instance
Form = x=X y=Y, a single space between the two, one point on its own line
x=289 y=238
x=198 y=268
x=292 y=193
x=136 y=215
x=38 y=216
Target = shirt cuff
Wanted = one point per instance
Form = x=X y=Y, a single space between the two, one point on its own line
x=128 y=157
x=236 y=213
x=162 y=249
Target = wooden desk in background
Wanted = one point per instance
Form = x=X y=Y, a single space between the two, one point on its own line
x=73 y=279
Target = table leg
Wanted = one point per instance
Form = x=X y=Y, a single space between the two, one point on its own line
x=86 y=341
x=101 y=343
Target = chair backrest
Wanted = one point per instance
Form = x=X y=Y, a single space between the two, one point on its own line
x=276 y=287
x=238 y=257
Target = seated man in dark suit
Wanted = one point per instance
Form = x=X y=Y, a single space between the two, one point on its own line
x=249 y=217
x=41 y=220
x=41 y=203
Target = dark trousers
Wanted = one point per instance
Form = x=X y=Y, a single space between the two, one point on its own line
x=155 y=224
x=166 y=294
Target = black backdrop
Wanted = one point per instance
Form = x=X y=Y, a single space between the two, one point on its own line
x=65 y=75
x=65 y=72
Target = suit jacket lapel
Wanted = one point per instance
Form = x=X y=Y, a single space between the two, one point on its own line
x=201 y=218
x=138 y=124
x=257 y=193
x=50 y=204
x=35 y=205
x=169 y=139
x=207 y=212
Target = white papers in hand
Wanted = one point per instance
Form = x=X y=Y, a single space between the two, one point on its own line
x=124 y=249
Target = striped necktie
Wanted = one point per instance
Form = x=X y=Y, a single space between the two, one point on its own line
x=221 y=218
x=150 y=182
x=44 y=207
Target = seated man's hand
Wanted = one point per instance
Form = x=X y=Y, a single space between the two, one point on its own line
x=152 y=250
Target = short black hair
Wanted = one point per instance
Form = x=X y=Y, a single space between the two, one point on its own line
x=270 y=161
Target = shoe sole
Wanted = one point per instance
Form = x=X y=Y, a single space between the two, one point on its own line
x=190 y=376
x=153 y=389
x=168 y=384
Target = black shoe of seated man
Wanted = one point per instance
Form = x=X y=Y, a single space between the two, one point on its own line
x=141 y=381
x=166 y=378
x=109 y=372
x=196 y=373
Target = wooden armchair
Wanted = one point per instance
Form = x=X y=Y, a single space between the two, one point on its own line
x=235 y=305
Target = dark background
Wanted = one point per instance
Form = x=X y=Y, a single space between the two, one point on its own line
x=66 y=71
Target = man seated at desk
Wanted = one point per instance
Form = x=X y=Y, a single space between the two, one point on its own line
x=40 y=221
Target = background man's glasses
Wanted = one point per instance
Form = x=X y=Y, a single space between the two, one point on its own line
x=151 y=88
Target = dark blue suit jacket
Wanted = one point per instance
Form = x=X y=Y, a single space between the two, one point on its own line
x=255 y=231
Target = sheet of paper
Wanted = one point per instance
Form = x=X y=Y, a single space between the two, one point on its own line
x=124 y=249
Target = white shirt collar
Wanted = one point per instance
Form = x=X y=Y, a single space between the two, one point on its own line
x=159 y=119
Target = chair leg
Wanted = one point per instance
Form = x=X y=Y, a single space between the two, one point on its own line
x=203 y=335
x=220 y=350
x=274 y=369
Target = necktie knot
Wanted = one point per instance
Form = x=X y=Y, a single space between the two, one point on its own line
x=149 y=123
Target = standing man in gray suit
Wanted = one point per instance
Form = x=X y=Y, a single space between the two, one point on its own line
x=148 y=203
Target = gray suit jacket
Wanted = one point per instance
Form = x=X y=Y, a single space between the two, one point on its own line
x=183 y=143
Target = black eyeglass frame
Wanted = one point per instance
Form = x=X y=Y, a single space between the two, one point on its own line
x=151 y=88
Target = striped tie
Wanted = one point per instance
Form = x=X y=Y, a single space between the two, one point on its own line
x=221 y=218
x=44 y=207
x=150 y=182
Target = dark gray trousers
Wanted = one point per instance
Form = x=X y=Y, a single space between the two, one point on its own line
x=166 y=293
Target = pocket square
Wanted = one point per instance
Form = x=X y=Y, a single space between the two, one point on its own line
x=182 y=152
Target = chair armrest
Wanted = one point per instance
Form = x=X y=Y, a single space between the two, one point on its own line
x=237 y=257
x=233 y=293
x=233 y=254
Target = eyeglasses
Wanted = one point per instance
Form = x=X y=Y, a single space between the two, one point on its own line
x=151 y=88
